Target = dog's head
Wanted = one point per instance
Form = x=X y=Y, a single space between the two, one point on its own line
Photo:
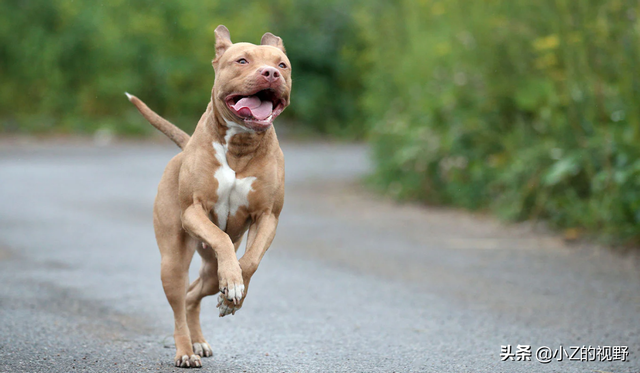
x=253 y=82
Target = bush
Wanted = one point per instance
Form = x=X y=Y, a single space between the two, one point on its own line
x=323 y=46
x=65 y=65
x=529 y=110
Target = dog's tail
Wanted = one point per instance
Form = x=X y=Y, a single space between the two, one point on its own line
x=174 y=133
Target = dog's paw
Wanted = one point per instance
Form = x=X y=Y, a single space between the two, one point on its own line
x=202 y=349
x=185 y=361
x=233 y=294
x=226 y=307
x=231 y=284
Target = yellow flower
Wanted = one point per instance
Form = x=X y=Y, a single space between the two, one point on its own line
x=443 y=48
x=548 y=42
x=437 y=9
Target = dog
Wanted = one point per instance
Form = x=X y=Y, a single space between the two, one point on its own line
x=229 y=178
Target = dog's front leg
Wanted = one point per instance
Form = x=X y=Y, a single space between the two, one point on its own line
x=261 y=234
x=196 y=222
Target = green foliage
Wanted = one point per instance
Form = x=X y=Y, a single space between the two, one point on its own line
x=65 y=65
x=323 y=46
x=529 y=109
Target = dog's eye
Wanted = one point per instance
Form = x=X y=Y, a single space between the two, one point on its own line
x=242 y=61
x=283 y=65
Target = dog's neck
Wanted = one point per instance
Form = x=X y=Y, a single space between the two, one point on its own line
x=239 y=142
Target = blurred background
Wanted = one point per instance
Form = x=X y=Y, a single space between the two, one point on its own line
x=528 y=110
x=521 y=110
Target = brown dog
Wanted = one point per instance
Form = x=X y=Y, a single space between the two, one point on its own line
x=229 y=178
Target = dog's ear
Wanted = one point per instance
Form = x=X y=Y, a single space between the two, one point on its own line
x=271 y=39
x=223 y=41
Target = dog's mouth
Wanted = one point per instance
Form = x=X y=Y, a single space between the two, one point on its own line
x=259 y=109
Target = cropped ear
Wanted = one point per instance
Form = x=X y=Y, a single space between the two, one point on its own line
x=223 y=41
x=271 y=39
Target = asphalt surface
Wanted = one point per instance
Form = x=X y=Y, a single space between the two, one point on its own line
x=352 y=283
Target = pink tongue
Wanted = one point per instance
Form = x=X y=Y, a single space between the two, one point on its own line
x=258 y=108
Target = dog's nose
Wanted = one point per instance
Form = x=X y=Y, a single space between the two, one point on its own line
x=271 y=74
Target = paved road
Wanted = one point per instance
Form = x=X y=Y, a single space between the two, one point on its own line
x=352 y=283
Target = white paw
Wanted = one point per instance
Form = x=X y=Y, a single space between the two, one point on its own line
x=189 y=362
x=233 y=293
x=202 y=349
x=225 y=307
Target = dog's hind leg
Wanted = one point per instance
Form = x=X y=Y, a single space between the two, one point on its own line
x=206 y=284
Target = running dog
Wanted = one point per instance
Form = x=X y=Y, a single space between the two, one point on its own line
x=229 y=178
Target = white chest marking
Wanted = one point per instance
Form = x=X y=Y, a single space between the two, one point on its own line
x=232 y=192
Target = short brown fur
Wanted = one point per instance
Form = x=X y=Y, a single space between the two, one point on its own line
x=184 y=217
